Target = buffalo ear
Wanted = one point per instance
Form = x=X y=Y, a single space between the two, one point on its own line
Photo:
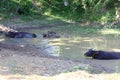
x=91 y=49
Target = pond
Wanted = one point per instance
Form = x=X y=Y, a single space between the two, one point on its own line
x=73 y=45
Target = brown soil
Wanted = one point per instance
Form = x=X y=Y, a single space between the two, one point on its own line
x=27 y=60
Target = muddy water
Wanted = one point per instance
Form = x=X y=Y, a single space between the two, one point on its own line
x=74 y=45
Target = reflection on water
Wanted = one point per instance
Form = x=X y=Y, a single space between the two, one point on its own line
x=74 y=45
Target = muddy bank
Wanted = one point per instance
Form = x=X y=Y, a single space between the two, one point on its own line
x=29 y=62
x=28 y=50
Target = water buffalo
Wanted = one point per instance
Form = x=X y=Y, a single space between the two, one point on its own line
x=51 y=34
x=1 y=32
x=20 y=35
x=103 y=55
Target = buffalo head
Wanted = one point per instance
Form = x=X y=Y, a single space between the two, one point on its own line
x=90 y=53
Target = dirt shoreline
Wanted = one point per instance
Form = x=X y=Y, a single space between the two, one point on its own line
x=25 y=59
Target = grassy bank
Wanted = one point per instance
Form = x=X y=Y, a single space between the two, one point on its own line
x=52 y=21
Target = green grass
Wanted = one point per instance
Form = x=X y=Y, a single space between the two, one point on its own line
x=111 y=31
x=96 y=30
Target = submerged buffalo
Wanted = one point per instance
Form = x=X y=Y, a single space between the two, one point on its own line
x=103 y=55
x=51 y=34
x=20 y=35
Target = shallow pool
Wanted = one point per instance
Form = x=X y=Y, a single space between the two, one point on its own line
x=73 y=45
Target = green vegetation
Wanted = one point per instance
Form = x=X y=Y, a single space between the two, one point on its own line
x=79 y=10
x=10 y=8
x=84 y=9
